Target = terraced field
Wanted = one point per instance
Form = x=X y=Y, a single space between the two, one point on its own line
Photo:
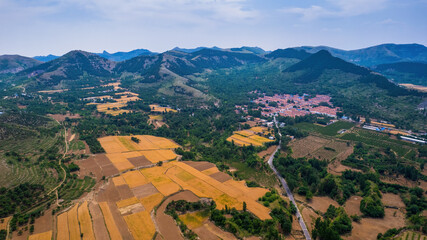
x=250 y=137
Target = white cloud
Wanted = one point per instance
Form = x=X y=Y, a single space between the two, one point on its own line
x=338 y=8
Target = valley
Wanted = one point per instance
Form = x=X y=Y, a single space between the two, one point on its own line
x=182 y=145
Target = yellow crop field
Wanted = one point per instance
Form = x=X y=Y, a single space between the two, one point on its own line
x=85 y=222
x=119 y=180
x=128 y=143
x=259 y=129
x=127 y=93
x=157 y=108
x=243 y=141
x=154 y=156
x=163 y=183
x=210 y=171
x=134 y=179
x=238 y=142
x=156 y=117
x=127 y=202
x=73 y=223
x=62 y=227
x=260 y=139
x=140 y=225
x=245 y=133
x=120 y=161
x=41 y=236
x=161 y=143
x=151 y=201
x=111 y=144
x=109 y=221
x=167 y=154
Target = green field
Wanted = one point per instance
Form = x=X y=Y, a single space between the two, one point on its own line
x=330 y=130
x=380 y=140
x=410 y=235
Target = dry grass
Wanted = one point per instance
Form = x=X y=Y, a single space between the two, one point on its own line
x=73 y=223
x=85 y=222
x=3 y=225
x=109 y=221
x=193 y=220
x=41 y=236
x=140 y=225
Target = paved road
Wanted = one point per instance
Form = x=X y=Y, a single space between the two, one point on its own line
x=288 y=191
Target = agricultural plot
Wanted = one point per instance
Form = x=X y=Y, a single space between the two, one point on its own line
x=85 y=222
x=73 y=223
x=157 y=108
x=109 y=221
x=41 y=236
x=62 y=231
x=115 y=108
x=140 y=225
x=250 y=137
x=126 y=154
x=411 y=235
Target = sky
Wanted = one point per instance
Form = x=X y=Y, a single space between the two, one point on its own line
x=41 y=27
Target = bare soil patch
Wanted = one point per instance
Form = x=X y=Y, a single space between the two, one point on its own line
x=392 y=200
x=62 y=117
x=98 y=222
x=124 y=192
x=352 y=206
x=144 y=190
x=140 y=161
x=134 y=208
x=89 y=167
x=368 y=228
x=199 y=165
x=267 y=152
x=44 y=223
x=309 y=217
x=108 y=193
x=167 y=226
x=318 y=203
x=220 y=176
x=211 y=232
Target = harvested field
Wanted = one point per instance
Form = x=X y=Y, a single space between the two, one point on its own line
x=89 y=167
x=144 y=190
x=220 y=176
x=140 y=225
x=99 y=227
x=163 y=184
x=151 y=201
x=267 y=152
x=62 y=227
x=352 y=206
x=209 y=231
x=368 y=228
x=393 y=200
x=44 y=223
x=140 y=161
x=85 y=222
x=109 y=221
x=73 y=223
x=124 y=192
x=322 y=203
x=131 y=209
x=134 y=179
x=109 y=193
x=200 y=166
x=120 y=161
x=41 y=236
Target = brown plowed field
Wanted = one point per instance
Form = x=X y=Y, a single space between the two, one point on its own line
x=98 y=222
x=201 y=166
x=140 y=161
x=144 y=190
x=220 y=176
x=167 y=226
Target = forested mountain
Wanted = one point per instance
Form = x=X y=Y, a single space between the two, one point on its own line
x=16 y=63
x=375 y=55
x=404 y=72
x=288 y=53
x=71 y=66
x=47 y=58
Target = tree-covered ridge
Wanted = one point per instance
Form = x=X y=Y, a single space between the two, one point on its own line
x=404 y=72
x=288 y=53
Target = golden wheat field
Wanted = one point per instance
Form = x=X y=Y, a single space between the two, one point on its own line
x=73 y=223
x=140 y=225
x=85 y=222
x=41 y=236
x=62 y=231
x=250 y=137
x=157 y=108
x=113 y=231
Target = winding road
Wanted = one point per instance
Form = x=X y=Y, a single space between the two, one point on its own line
x=288 y=190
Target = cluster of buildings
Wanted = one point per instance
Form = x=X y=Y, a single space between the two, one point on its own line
x=294 y=105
